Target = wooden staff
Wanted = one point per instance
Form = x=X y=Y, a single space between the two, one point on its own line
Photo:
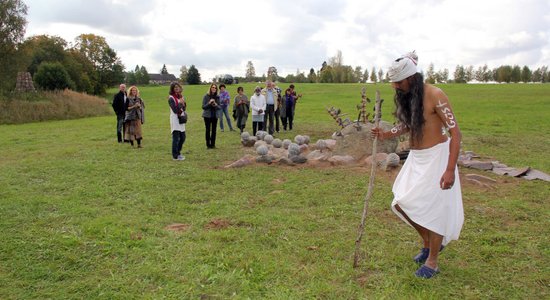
x=377 y=115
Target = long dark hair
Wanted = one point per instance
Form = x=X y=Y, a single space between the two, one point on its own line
x=172 y=92
x=409 y=107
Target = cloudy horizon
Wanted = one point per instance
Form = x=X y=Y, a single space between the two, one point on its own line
x=220 y=37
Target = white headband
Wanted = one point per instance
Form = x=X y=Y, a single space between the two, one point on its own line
x=403 y=67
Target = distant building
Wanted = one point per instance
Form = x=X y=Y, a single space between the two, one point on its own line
x=162 y=79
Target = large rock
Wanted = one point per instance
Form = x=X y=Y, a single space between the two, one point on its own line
x=279 y=152
x=317 y=155
x=341 y=160
x=380 y=159
x=357 y=142
x=245 y=161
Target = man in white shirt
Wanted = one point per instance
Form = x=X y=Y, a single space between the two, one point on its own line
x=258 y=106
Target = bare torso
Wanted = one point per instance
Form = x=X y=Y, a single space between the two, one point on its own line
x=432 y=132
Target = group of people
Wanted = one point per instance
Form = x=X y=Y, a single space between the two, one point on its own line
x=427 y=192
x=268 y=106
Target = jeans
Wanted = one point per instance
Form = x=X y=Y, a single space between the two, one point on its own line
x=210 y=135
x=225 y=111
x=178 y=138
x=119 y=127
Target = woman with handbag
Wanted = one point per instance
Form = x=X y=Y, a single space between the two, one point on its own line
x=178 y=118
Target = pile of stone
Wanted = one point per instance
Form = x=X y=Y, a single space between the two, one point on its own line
x=351 y=145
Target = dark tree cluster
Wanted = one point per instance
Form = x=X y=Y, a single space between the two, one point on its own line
x=90 y=65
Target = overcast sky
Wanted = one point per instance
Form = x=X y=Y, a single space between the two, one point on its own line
x=220 y=37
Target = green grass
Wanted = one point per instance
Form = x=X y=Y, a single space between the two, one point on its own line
x=84 y=217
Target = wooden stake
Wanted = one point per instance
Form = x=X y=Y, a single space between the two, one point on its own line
x=377 y=115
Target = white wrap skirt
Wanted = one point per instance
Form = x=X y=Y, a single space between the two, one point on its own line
x=418 y=193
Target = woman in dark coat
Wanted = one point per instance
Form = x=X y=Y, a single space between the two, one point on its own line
x=210 y=108
x=241 y=108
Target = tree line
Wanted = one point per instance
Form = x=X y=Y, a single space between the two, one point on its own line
x=88 y=64
x=336 y=72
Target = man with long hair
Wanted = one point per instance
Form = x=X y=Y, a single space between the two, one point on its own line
x=427 y=193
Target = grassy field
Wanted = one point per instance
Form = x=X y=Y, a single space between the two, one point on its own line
x=84 y=217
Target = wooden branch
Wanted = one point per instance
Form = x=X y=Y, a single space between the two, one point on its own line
x=377 y=115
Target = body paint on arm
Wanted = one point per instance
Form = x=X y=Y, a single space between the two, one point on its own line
x=449 y=117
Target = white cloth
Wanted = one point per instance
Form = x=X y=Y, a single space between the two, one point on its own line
x=257 y=102
x=403 y=67
x=418 y=193
x=175 y=123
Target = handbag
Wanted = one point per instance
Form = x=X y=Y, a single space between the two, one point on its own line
x=182 y=118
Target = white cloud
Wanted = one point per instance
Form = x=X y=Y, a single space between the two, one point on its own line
x=221 y=37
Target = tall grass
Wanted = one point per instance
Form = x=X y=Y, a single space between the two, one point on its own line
x=44 y=105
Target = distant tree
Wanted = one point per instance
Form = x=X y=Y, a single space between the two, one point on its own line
x=346 y=74
x=323 y=67
x=137 y=74
x=326 y=75
x=272 y=74
x=13 y=24
x=81 y=71
x=504 y=74
x=336 y=60
x=459 y=74
x=164 y=71
x=144 y=75
x=312 y=76
x=366 y=75
x=373 y=75
x=193 y=76
x=300 y=77
x=515 y=75
x=381 y=75
x=183 y=74
x=358 y=74
x=104 y=58
x=131 y=78
x=442 y=76
x=469 y=73
x=339 y=73
x=44 y=48
x=482 y=74
x=250 y=71
x=526 y=74
x=52 y=76
x=430 y=74
x=545 y=74
x=537 y=76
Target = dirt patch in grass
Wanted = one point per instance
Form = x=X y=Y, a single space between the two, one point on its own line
x=218 y=224
x=177 y=227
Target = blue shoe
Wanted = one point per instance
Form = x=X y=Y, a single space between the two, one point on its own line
x=421 y=257
x=426 y=272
